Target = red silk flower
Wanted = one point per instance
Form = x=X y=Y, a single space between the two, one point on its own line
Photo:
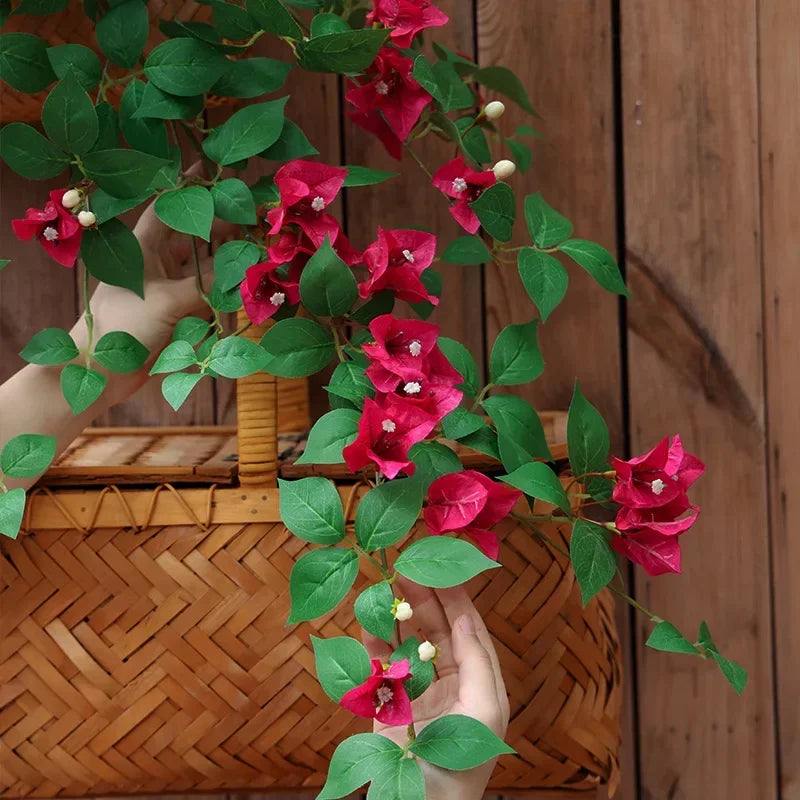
x=391 y=90
x=464 y=185
x=407 y=18
x=56 y=228
x=382 y=696
x=264 y=291
x=471 y=503
x=293 y=243
x=396 y=261
x=386 y=432
x=372 y=122
x=657 y=478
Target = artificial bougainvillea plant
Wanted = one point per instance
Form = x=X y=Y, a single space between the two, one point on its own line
x=399 y=390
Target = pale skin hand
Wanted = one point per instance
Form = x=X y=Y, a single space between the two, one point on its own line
x=468 y=681
x=31 y=400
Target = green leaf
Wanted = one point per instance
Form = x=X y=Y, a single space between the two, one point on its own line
x=291 y=144
x=544 y=278
x=120 y=352
x=81 y=386
x=350 y=382
x=422 y=672
x=734 y=674
x=29 y=154
x=237 y=357
x=496 y=209
x=12 y=508
x=69 y=117
x=433 y=460
x=463 y=362
x=251 y=77
x=537 y=480
x=50 y=346
x=504 y=81
x=248 y=132
x=484 y=441
x=23 y=62
x=265 y=191
x=297 y=348
x=402 y=779
x=598 y=262
x=356 y=761
x=41 y=7
x=122 y=32
x=343 y=53
x=312 y=510
x=162 y=105
x=373 y=609
x=516 y=357
x=122 y=173
x=83 y=62
x=108 y=130
x=188 y=210
x=520 y=434
x=432 y=281
x=460 y=423
x=467 y=250
x=523 y=157
x=191 y=329
x=319 y=582
x=107 y=207
x=4 y=262
x=342 y=664
x=364 y=176
x=233 y=202
x=442 y=562
x=113 y=255
x=588 y=441
x=142 y=133
x=387 y=513
x=546 y=226
x=327 y=285
x=665 y=636
x=443 y=83
x=474 y=141
x=458 y=742
x=185 y=67
x=178 y=386
x=175 y=356
x=593 y=559
x=331 y=433
x=226 y=302
x=327 y=23
x=232 y=260
x=272 y=17
x=27 y=455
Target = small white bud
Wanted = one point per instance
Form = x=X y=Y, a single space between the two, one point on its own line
x=87 y=218
x=318 y=203
x=494 y=110
x=504 y=169
x=459 y=185
x=381 y=87
x=388 y=426
x=50 y=233
x=427 y=651
x=413 y=387
x=384 y=694
x=657 y=486
x=71 y=198
x=415 y=348
x=408 y=256
x=403 y=612
x=278 y=299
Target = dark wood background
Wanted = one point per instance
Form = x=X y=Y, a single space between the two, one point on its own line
x=671 y=137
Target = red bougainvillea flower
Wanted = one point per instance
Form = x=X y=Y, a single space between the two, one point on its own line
x=390 y=89
x=471 y=503
x=435 y=399
x=57 y=230
x=294 y=243
x=382 y=696
x=264 y=291
x=407 y=18
x=374 y=123
x=396 y=261
x=657 y=478
x=307 y=188
x=464 y=185
x=386 y=432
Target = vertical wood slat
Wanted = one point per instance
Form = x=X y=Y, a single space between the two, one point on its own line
x=695 y=366
x=779 y=87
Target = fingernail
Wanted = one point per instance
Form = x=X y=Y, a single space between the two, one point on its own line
x=467 y=625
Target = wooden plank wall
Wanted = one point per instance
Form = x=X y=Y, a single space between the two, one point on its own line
x=671 y=134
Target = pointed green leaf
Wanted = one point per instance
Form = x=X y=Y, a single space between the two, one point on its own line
x=12 y=508
x=464 y=363
x=373 y=609
x=120 y=352
x=546 y=226
x=342 y=664
x=319 y=582
x=356 y=761
x=112 y=253
x=237 y=357
x=23 y=62
x=50 y=346
x=185 y=67
x=538 y=481
x=122 y=32
x=387 y=513
x=442 y=562
x=191 y=329
x=520 y=434
x=327 y=285
x=422 y=672
x=83 y=62
x=593 y=559
x=544 y=278
x=188 y=210
x=81 y=386
x=297 y=348
x=588 y=441
x=365 y=176
x=69 y=117
x=233 y=202
x=467 y=250
x=343 y=53
x=251 y=77
x=458 y=742
x=460 y=423
x=598 y=262
x=231 y=261
x=496 y=209
x=312 y=510
x=504 y=81
x=29 y=154
x=331 y=433
x=247 y=133
x=122 y=173
x=273 y=17
x=175 y=356
x=27 y=455
x=665 y=636
x=177 y=387
x=162 y=105
x=516 y=358
x=433 y=460
x=142 y=133
x=291 y=144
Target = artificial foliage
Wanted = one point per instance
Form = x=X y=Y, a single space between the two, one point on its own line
x=400 y=393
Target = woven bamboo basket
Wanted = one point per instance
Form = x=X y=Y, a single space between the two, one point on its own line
x=143 y=646
x=72 y=26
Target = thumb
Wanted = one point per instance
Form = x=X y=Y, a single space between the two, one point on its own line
x=477 y=686
x=184 y=297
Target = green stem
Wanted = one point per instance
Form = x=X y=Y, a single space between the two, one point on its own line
x=638 y=606
x=419 y=161
x=2 y=485
x=523 y=518
x=87 y=313
x=337 y=342
x=481 y=397
x=385 y=573
x=197 y=146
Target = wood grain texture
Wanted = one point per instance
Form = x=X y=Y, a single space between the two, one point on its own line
x=690 y=104
x=780 y=173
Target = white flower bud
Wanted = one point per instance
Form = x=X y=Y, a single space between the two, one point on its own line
x=87 y=218
x=494 y=110
x=403 y=612
x=71 y=198
x=504 y=169
x=427 y=651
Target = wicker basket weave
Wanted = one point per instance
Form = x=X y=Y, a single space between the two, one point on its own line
x=142 y=639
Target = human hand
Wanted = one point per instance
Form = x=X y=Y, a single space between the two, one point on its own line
x=468 y=681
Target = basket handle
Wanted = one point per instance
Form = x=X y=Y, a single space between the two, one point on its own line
x=265 y=407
